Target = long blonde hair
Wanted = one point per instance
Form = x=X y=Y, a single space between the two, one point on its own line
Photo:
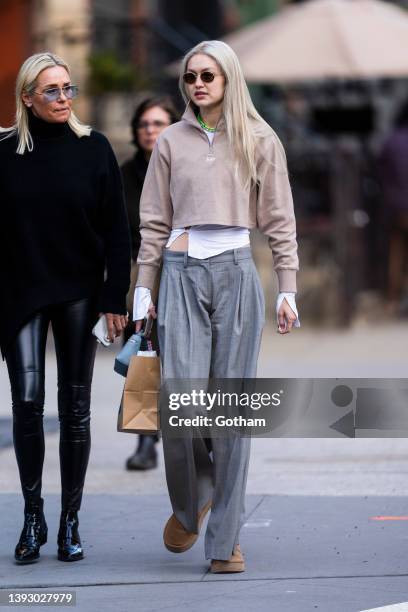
x=26 y=82
x=244 y=125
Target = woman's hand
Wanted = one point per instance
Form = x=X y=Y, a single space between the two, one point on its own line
x=150 y=313
x=286 y=318
x=116 y=324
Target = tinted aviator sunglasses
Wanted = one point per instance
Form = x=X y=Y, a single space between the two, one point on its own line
x=53 y=93
x=207 y=77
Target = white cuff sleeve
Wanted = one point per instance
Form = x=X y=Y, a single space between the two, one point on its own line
x=141 y=303
x=290 y=298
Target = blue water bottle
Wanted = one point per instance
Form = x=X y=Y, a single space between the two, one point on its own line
x=132 y=347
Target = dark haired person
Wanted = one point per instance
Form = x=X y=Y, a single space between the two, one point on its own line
x=150 y=118
x=63 y=222
x=394 y=180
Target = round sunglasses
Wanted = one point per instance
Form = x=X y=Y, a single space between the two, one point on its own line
x=207 y=77
x=53 y=93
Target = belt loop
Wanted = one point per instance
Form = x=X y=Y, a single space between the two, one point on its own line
x=185 y=258
x=235 y=257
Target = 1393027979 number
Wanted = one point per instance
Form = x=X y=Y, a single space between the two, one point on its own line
x=40 y=598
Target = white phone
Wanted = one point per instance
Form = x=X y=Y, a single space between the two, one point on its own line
x=100 y=331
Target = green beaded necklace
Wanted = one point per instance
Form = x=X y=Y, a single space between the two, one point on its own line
x=204 y=125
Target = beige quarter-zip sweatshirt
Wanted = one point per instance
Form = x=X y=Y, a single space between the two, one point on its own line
x=190 y=182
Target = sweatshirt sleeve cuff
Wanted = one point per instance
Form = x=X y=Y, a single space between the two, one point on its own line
x=286 y=280
x=146 y=276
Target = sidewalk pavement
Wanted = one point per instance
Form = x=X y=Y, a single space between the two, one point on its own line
x=310 y=540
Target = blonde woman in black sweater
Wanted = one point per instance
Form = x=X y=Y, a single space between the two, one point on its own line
x=63 y=223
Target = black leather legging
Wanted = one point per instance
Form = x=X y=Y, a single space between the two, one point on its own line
x=75 y=347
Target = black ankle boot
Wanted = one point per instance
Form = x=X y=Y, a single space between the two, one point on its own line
x=69 y=542
x=145 y=458
x=33 y=535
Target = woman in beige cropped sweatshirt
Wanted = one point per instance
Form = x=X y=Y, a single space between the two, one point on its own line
x=212 y=177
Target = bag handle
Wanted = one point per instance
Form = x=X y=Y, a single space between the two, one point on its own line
x=146 y=344
x=147 y=330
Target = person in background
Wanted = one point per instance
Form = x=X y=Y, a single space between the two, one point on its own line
x=393 y=164
x=150 y=118
x=63 y=223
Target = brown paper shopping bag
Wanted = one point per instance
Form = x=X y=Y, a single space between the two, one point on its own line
x=138 y=412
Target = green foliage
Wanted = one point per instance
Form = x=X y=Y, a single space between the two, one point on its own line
x=108 y=73
x=252 y=10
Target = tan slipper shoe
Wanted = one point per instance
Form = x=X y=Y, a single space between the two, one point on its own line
x=233 y=565
x=176 y=538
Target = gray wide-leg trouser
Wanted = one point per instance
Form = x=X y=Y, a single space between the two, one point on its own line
x=210 y=318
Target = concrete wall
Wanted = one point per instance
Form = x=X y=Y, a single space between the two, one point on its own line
x=64 y=28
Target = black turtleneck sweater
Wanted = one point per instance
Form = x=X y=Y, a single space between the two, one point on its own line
x=62 y=223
